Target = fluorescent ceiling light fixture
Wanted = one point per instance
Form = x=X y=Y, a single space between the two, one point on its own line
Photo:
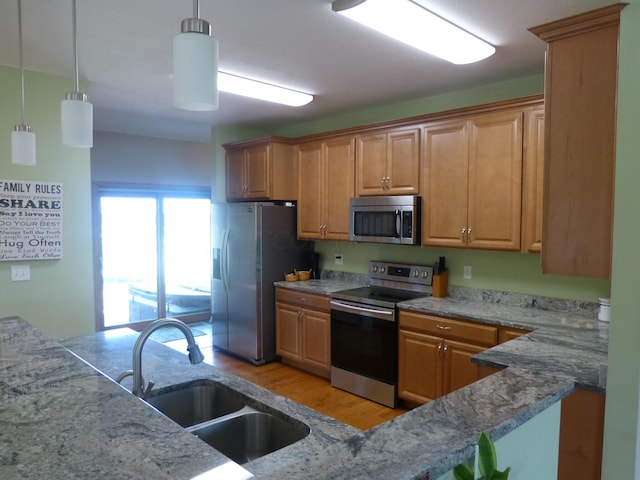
x=23 y=140
x=195 y=65
x=412 y=24
x=262 y=91
x=76 y=113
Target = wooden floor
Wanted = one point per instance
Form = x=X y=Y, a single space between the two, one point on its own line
x=310 y=390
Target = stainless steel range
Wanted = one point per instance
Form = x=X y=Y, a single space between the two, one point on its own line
x=364 y=330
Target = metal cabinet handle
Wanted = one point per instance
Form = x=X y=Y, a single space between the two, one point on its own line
x=301 y=299
x=464 y=230
x=469 y=234
x=442 y=327
x=439 y=349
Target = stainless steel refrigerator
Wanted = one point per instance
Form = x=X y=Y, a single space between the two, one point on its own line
x=253 y=245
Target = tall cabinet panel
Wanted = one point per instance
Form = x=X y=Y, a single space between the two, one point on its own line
x=495 y=181
x=445 y=184
x=580 y=130
x=326 y=184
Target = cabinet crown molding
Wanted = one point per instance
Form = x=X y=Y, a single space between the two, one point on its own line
x=567 y=27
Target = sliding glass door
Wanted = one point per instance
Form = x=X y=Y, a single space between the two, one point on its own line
x=154 y=257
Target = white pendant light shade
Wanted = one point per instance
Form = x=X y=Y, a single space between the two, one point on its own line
x=77 y=121
x=195 y=71
x=23 y=146
x=76 y=113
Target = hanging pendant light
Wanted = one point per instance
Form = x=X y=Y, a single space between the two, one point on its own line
x=23 y=140
x=76 y=111
x=195 y=65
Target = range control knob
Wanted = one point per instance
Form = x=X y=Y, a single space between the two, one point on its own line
x=375 y=268
x=381 y=269
x=416 y=273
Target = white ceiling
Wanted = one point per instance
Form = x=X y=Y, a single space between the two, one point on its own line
x=125 y=55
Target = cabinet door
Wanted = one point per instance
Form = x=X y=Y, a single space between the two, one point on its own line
x=495 y=181
x=403 y=162
x=339 y=187
x=310 y=190
x=316 y=350
x=235 y=174
x=288 y=320
x=371 y=164
x=444 y=184
x=419 y=367
x=257 y=172
x=532 y=178
x=459 y=370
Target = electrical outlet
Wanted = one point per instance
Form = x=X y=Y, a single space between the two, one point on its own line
x=467 y=272
x=20 y=273
x=338 y=259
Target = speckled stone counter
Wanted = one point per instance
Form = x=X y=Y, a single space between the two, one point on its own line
x=59 y=418
x=429 y=439
x=565 y=339
x=111 y=353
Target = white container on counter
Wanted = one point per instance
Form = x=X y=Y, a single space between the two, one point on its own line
x=604 y=309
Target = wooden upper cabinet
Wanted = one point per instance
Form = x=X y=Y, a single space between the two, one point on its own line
x=261 y=169
x=472 y=182
x=580 y=130
x=388 y=162
x=445 y=186
x=532 y=179
x=326 y=184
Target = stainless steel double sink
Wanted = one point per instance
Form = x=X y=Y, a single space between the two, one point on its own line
x=235 y=425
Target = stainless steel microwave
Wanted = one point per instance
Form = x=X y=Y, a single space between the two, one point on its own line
x=388 y=219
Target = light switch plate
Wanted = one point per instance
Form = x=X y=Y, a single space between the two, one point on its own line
x=20 y=273
x=467 y=272
x=338 y=259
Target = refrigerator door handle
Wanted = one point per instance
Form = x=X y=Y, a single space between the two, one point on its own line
x=224 y=260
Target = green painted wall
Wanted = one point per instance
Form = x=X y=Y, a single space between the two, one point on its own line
x=59 y=297
x=531 y=450
x=621 y=446
x=512 y=272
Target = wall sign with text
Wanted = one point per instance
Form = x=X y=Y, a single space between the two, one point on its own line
x=30 y=220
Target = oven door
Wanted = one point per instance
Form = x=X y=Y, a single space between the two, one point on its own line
x=364 y=340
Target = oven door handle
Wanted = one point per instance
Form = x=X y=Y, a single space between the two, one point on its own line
x=354 y=309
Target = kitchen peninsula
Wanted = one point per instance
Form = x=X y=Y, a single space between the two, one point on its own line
x=62 y=418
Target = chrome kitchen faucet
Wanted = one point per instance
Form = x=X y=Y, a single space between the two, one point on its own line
x=195 y=355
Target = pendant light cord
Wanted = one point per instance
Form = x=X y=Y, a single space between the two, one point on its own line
x=21 y=67
x=75 y=45
x=196 y=8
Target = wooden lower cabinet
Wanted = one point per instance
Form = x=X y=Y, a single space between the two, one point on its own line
x=303 y=330
x=581 y=433
x=429 y=365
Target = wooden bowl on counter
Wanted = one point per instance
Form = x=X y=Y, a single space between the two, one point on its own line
x=291 y=277
x=304 y=274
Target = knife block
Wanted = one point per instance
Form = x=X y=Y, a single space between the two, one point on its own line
x=440 y=283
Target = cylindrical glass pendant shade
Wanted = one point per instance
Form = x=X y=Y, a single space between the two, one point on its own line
x=195 y=71
x=23 y=146
x=77 y=123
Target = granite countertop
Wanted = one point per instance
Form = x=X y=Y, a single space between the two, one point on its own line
x=565 y=338
x=60 y=418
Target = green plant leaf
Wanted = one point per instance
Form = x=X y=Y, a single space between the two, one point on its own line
x=498 y=475
x=487 y=461
x=463 y=472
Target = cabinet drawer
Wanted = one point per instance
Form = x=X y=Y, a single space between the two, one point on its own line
x=449 y=328
x=303 y=299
